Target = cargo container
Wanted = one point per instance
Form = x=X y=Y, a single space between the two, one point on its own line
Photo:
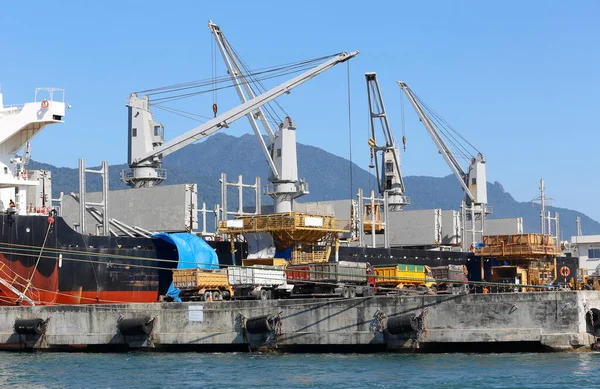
x=418 y=228
x=201 y=284
x=404 y=276
x=297 y=272
x=451 y=228
x=260 y=282
x=451 y=279
x=343 y=279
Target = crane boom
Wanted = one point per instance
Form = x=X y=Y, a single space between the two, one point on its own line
x=147 y=147
x=439 y=142
x=225 y=119
x=389 y=174
x=241 y=84
x=473 y=181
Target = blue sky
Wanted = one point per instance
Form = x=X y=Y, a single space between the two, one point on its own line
x=518 y=79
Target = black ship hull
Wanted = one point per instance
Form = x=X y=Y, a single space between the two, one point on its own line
x=44 y=261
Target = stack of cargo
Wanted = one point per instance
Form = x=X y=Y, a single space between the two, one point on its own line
x=518 y=246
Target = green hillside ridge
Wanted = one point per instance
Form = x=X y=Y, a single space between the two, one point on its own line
x=326 y=174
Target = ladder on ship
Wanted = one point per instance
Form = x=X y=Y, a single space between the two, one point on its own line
x=14 y=290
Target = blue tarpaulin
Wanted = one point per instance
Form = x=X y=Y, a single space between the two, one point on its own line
x=285 y=254
x=193 y=252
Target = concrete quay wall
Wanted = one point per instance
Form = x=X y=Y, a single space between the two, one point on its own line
x=544 y=321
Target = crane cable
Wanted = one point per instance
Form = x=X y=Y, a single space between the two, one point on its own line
x=213 y=54
x=402 y=119
x=276 y=74
x=450 y=134
x=250 y=74
x=350 y=130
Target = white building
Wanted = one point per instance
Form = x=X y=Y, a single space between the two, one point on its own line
x=587 y=248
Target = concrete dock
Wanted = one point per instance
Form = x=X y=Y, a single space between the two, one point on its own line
x=541 y=321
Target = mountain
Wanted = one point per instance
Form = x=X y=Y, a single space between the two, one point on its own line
x=326 y=174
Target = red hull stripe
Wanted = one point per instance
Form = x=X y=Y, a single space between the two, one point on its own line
x=44 y=290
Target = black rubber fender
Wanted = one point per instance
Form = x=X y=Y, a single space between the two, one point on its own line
x=30 y=326
x=136 y=326
x=260 y=324
x=401 y=323
x=593 y=318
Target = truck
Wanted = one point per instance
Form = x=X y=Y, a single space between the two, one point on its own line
x=341 y=279
x=451 y=279
x=202 y=285
x=402 y=276
x=259 y=282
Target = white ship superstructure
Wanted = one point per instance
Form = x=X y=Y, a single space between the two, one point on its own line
x=18 y=125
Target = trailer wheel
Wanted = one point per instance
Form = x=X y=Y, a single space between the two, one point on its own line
x=346 y=293
x=226 y=295
x=352 y=293
x=263 y=294
x=217 y=296
x=206 y=296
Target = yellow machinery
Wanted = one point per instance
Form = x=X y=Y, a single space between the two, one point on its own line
x=510 y=275
x=535 y=252
x=201 y=284
x=310 y=237
x=404 y=276
x=379 y=225
x=585 y=281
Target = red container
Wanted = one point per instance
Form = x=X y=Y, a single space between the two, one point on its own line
x=297 y=272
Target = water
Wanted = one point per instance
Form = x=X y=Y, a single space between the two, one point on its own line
x=223 y=371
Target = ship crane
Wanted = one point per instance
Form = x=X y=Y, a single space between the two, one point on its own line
x=147 y=146
x=281 y=153
x=472 y=180
x=389 y=173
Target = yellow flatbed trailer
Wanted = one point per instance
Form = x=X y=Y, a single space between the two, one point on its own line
x=202 y=284
x=404 y=276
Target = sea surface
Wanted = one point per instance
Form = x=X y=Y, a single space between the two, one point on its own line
x=241 y=370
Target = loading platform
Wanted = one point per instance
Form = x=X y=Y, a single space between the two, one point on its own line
x=309 y=238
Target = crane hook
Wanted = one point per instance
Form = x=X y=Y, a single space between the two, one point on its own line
x=404 y=142
x=215 y=108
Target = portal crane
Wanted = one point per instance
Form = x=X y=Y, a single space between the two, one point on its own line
x=281 y=154
x=389 y=173
x=473 y=180
x=147 y=146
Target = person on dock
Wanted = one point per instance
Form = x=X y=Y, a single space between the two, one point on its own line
x=11 y=207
